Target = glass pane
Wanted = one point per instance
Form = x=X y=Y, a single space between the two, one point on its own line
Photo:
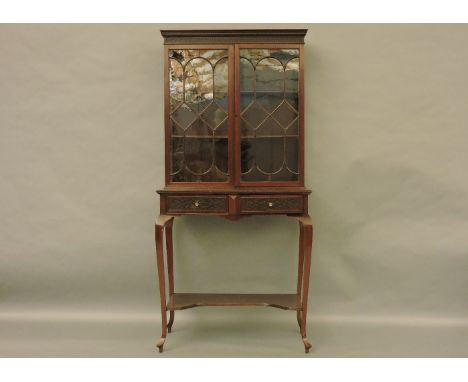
x=291 y=83
x=247 y=83
x=177 y=157
x=198 y=86
x=198 y=155
x=214 y=115
x=254 y=115
x=291 y=150
x=247 y=155
x=183 y=55
x=269 y=123
x=285 y=55
x=213 y=55
x=221 y=154
x=183 y=116
x=254 y=55
x=176 y=130
x=293 y=128
x=222 y=131
x=199 y=129
x=221 y=83
x=269 y=81
x=198 y=76
x=269 y=154
x=246 y=130
x=285 y=175
x=285 y=114
x=270 y=128
x=176 y=84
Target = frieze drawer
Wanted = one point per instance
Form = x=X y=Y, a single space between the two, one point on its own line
x=272 y=204
x=195 y=204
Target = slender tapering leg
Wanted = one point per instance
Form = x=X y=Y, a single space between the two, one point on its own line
x=306 y=239
x=159 y=228
x=299 y=275
x=170 y=270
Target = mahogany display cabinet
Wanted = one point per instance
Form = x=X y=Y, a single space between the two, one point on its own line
x=234 y=147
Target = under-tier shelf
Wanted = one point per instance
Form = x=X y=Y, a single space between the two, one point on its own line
x=226 y=137
x=191 y=300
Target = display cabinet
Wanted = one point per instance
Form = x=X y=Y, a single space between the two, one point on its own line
x=234 y=147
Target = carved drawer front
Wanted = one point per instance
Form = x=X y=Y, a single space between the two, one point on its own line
x=194 y=204
x=271 y=204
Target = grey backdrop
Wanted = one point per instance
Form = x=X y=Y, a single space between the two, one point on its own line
x=81 y=154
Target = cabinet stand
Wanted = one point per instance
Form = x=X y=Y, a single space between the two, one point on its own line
x=179 y=301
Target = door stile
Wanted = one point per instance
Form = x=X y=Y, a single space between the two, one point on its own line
x=237 y=141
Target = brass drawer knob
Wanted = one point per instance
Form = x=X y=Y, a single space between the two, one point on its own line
x=270 y=204
x=196 y=203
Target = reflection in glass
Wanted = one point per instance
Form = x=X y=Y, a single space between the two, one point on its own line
x=220 y=86
x=269 y=123
x=176 y=130
x=176 y=83
x=213 y=55
x=291 y=83
x=214 y=115
x=198 y=87
x=285 y=55
x=269 y=81
x=183 y=116
x=285 y=114
x=293 y=128
x=221 y=155
x=177 y=151
x=183 y=55
x=254 y=115
x=269 y=154
x=291 y=147
x=246 y=130
x=247 y=155
x=270 y=128
x=198 y=129
x=198 y=84
x=198 y=155
x=222 y=131
x=247 y=82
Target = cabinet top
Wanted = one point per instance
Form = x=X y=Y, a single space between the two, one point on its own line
x=230 y=36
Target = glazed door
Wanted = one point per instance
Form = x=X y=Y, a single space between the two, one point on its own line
x=199 y=112
x=270 y=118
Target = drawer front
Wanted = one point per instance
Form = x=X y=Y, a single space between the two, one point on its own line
x=271 y=204
x=195 y=204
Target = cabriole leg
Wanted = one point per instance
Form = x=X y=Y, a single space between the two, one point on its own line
x=300 y=272
x=305 y=239
x=170 y=269
x=162 y=221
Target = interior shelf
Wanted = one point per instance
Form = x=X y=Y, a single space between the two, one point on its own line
x=191 y=300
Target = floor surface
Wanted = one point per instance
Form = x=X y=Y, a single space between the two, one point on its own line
x=220 y=332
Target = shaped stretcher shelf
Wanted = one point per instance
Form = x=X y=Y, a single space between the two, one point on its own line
x=191 y=300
